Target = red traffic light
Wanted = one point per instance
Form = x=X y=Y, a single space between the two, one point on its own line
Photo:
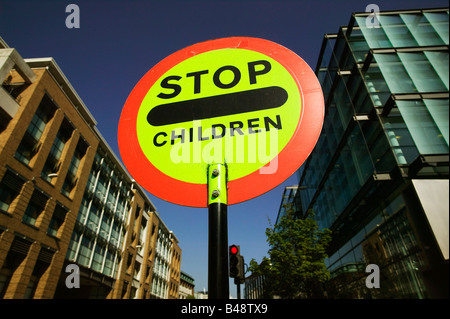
x=236 y=266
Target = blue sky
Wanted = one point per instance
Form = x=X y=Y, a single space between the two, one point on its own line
x=119 y=41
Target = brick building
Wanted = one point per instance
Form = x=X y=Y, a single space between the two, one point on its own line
x=187 y=286
x=65 y=198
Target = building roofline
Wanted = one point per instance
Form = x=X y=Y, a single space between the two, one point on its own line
x=363 y=14
x=50 y=64
x=174 y=236
x=186 y=274
x=171 y=233
x=138 y=187
x=3 y=44
x=439 y=9
x=53 y=68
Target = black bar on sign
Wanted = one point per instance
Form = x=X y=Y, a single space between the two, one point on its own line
x=219 y=105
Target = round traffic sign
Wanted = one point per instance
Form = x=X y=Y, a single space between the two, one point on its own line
x=245 y=102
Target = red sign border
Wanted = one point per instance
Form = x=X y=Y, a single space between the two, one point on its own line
x=290 y=158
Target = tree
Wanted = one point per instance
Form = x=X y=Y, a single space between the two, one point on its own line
x=296 y=267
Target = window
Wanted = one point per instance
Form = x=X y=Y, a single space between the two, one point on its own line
x=407 y=29
x=423 y=72
x=85 y=252
x=35 y=207
x=42 y=263
x=396 y=31
x=133 y=294
x=72 y=249
x=29 y=146
x=15 y=257
x=102 y=185
x=59 y=215
x=105 y=226
x=422 y=30
x=115 y=234
x=90 y=186
x=412 y=72
x=124 y=290
x=120 y=208
x=52 y=163
x=9 y=189
x=137 y=270
x=142 y=234
x=109 y=264
x=394 y=73
x=399 y=137
x=426 y=124
x=94 y=218
x=358 y=44
x=97 y=261
x=71 y=177
x=439 y=61
x=375 y=37
x=438 y=109
x=111 y=201
x=439 y=21
x=129 y=262
x=84 y=208
x=5 y=275
x=4 y=121
x=14 y=86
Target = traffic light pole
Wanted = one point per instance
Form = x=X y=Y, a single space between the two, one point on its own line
x=237 y=282
x=218 y=285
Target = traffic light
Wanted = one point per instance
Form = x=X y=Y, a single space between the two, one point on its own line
x=236 y=263
x=234 y=260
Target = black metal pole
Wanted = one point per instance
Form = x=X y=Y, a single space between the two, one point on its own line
x=238 y=288
x=218 y=284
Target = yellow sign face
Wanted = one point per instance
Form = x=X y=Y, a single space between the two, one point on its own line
x=231 y=105
x=248 y=105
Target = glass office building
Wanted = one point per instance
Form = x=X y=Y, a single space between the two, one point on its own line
x=288 y=202
x=378 y=176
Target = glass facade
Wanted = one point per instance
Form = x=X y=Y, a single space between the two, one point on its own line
x=386 y=122
x=385 y=237
x=408 y=29
x=288 y=202
x=161 y=268
x=99 y=232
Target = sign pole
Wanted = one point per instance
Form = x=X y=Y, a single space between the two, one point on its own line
x=274 y=93
x=218 y=285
